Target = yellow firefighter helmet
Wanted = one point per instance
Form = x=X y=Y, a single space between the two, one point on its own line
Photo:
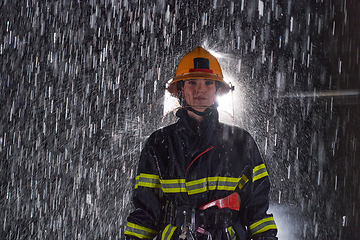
x=197 y=64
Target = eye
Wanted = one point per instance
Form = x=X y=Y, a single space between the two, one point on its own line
x=209 y=82
x=192 y=82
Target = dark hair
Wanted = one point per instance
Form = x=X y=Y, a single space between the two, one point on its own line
x=179 y=86
x=217 y=85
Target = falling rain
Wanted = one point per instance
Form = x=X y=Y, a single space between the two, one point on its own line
x=82 y=85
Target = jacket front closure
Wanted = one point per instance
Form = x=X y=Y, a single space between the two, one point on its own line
x=198 y=149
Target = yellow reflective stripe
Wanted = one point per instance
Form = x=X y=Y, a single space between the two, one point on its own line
x=168 y=232
x=223 y=183
x=224 y=179
x=192 y=187
x=259 y=172
x=138 y=231
x=212 y=183
x=147 y=180
x=196 y=182
x=242 y=181
x=232 y=233
x=173 y=185
x=262 y=226
x=197 y=186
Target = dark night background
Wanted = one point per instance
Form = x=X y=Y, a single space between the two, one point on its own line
x=82 y=86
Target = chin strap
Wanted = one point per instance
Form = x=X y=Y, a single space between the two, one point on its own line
x=201 y=114
x=204 y=113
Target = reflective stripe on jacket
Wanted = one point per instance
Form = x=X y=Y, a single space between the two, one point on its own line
x=188 y=167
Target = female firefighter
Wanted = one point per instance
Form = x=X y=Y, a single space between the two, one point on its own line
x=199 y=178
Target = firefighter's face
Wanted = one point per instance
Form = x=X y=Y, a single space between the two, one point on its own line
x=200 y=93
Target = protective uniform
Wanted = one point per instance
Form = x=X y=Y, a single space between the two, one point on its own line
x=187 y=165
x=183 y=167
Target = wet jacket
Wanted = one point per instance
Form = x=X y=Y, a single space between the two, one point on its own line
x=184 y=167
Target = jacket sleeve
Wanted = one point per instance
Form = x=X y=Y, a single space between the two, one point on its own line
x=260 y=225
x=145 y=221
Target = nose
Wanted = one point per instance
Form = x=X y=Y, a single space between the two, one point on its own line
x=200 y=86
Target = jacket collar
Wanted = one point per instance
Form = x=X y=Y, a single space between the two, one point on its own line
x=203 y=129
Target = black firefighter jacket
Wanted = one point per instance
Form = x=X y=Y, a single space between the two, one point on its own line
x=185 y=167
